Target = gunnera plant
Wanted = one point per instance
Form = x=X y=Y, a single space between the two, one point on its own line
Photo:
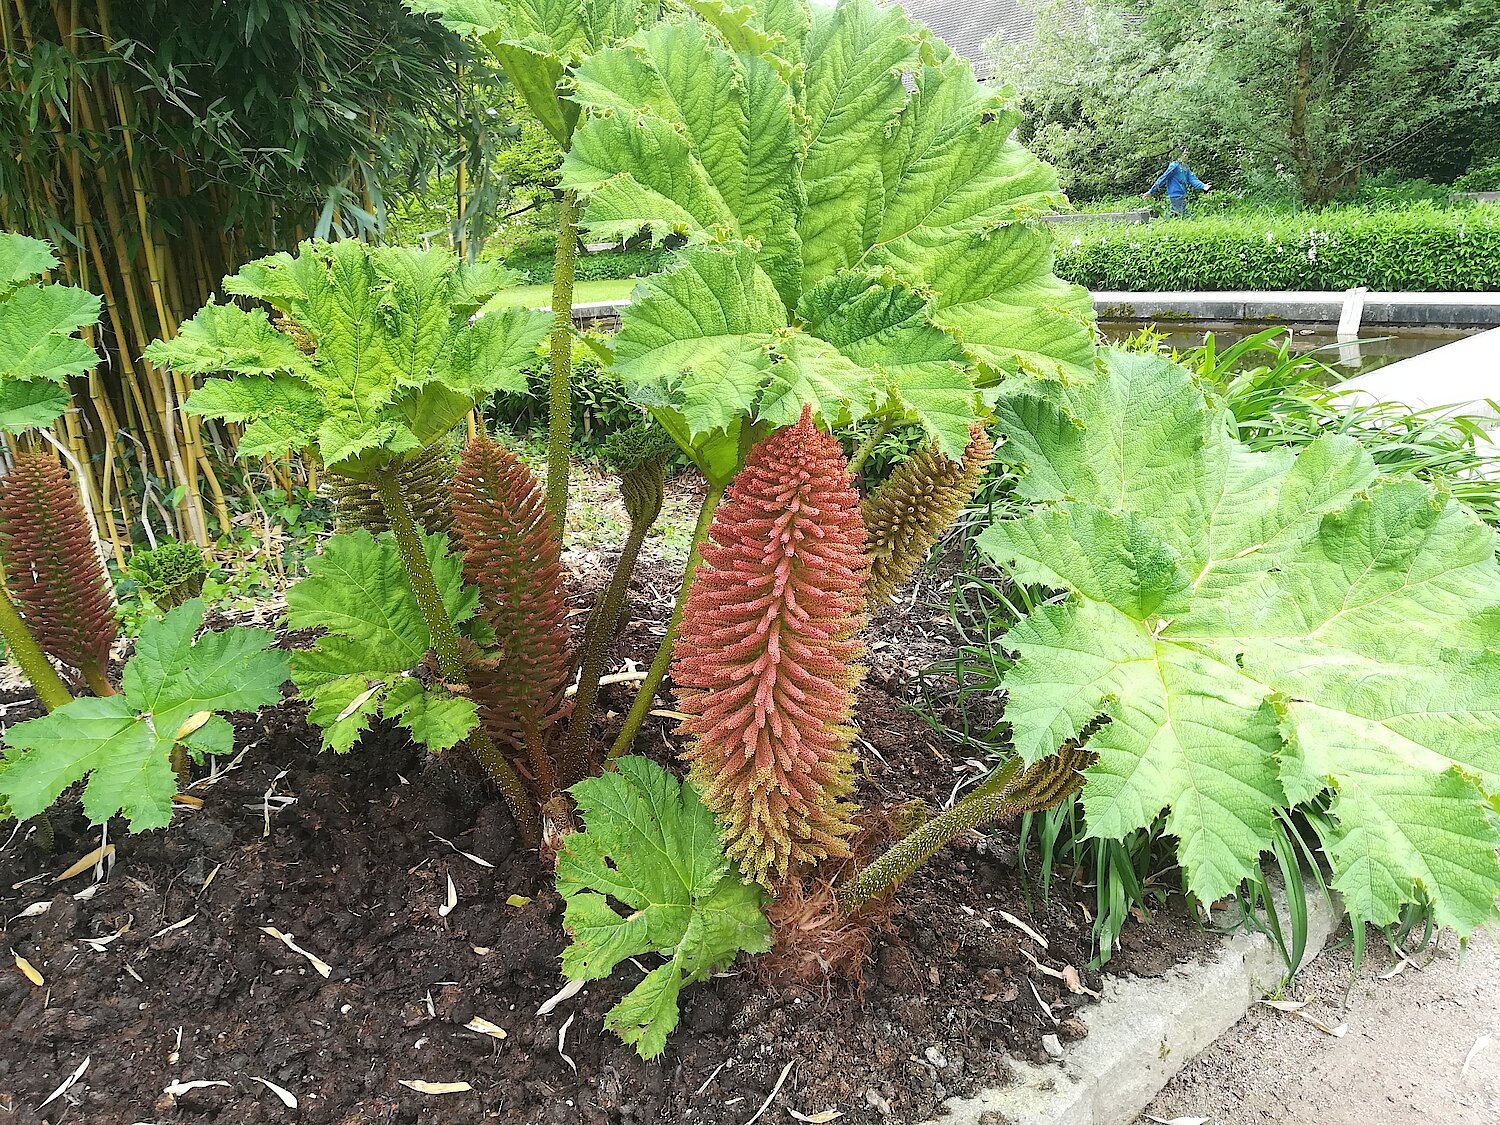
x=169 y=574
x=52 y=569
x=768 y=660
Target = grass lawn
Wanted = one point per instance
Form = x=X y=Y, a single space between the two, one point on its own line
x=584 y=293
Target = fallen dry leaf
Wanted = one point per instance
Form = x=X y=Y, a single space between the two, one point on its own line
x=323 y=967
x=192 y=723
x=197 y=1084
x=518 y=900
x=447 y=908
x=67 y=1084
x=104 y=851
x=287 y=1097
x=485 y=1027
x=423 y=1087
x=29 y=971
x=817 y=1118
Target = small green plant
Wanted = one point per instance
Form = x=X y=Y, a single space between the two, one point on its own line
x=1263 y=631
x=171 y=693
x=648 y=875
x=169 y=574
x=376 y=355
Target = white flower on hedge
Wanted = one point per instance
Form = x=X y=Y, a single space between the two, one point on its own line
x=1312 y=253
x=1077 y=241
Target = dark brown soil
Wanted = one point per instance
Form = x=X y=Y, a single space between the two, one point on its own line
x=186 y=985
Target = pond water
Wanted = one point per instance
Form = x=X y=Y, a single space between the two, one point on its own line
x=1376 y=348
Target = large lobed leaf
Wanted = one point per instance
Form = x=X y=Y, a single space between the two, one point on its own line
x=359 y=592
x=537 y=41
x=858 y=218
x=123 y=743
x=1260 y=630
x=376 y=352
x=39 y=346
x=650 y=846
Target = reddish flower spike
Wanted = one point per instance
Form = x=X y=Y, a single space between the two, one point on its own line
x=766 y=663
x=513 y=557
x=51 y=567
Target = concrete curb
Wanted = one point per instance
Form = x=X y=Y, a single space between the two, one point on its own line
x=1143 y=1032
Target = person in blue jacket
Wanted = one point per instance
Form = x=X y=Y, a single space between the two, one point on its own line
x=1177 y=179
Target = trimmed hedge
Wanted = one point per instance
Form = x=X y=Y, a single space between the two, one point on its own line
x=607 y=265
x=1417 y=250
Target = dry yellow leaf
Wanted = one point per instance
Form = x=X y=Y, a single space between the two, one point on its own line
x=29 y=971
x=192 y=723
x=517 y=900
x=422 y=1087
x=104 y=851
x=485 y=1027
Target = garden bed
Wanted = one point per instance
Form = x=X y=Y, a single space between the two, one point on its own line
x=349 y=858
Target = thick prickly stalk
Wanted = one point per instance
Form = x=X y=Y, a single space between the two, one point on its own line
x=915 y=505
x=425 y=481
x=767 y=662
x=659 y=663
x=52 y=569
x=560 y=366
x=445 y=646
x=1009 y=791
x=29 y=657
x=512 y=555
x=640 y=455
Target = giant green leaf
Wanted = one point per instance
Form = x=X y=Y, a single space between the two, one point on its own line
x=850 y=167
x=172 y=689
x=537 y=41
x=651 y=847
x=376 y=352
x=1260 y=630
x=39 y=348
x=358 y=591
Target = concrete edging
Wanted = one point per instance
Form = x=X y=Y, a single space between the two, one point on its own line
x=1142 y=1033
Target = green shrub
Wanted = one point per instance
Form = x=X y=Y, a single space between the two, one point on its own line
x=601 y=404
x=612 y=265
x=1421 y=249
x=1481 y=177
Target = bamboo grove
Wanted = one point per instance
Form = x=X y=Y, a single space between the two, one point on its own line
x=158 y=147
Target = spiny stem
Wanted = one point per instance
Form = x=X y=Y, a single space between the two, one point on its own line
x=560 y=378
x=896 y=866
x=1008 y=791
x=98 y=682
x=862 y=454
x=445 y=644
x=28 y=655
x=596 y=648
x=658 y=670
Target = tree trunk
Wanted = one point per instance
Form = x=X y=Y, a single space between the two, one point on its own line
x=1309 y=185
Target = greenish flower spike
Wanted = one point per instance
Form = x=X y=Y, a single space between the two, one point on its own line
x=170 y=693
x=1262 y=630
x=651 y=846
x=858 y=216
x=396 y=357
x=39 y=346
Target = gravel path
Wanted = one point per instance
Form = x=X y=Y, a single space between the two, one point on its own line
x=1422 y=1046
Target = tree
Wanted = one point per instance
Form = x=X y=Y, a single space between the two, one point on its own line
x=1320 y=91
